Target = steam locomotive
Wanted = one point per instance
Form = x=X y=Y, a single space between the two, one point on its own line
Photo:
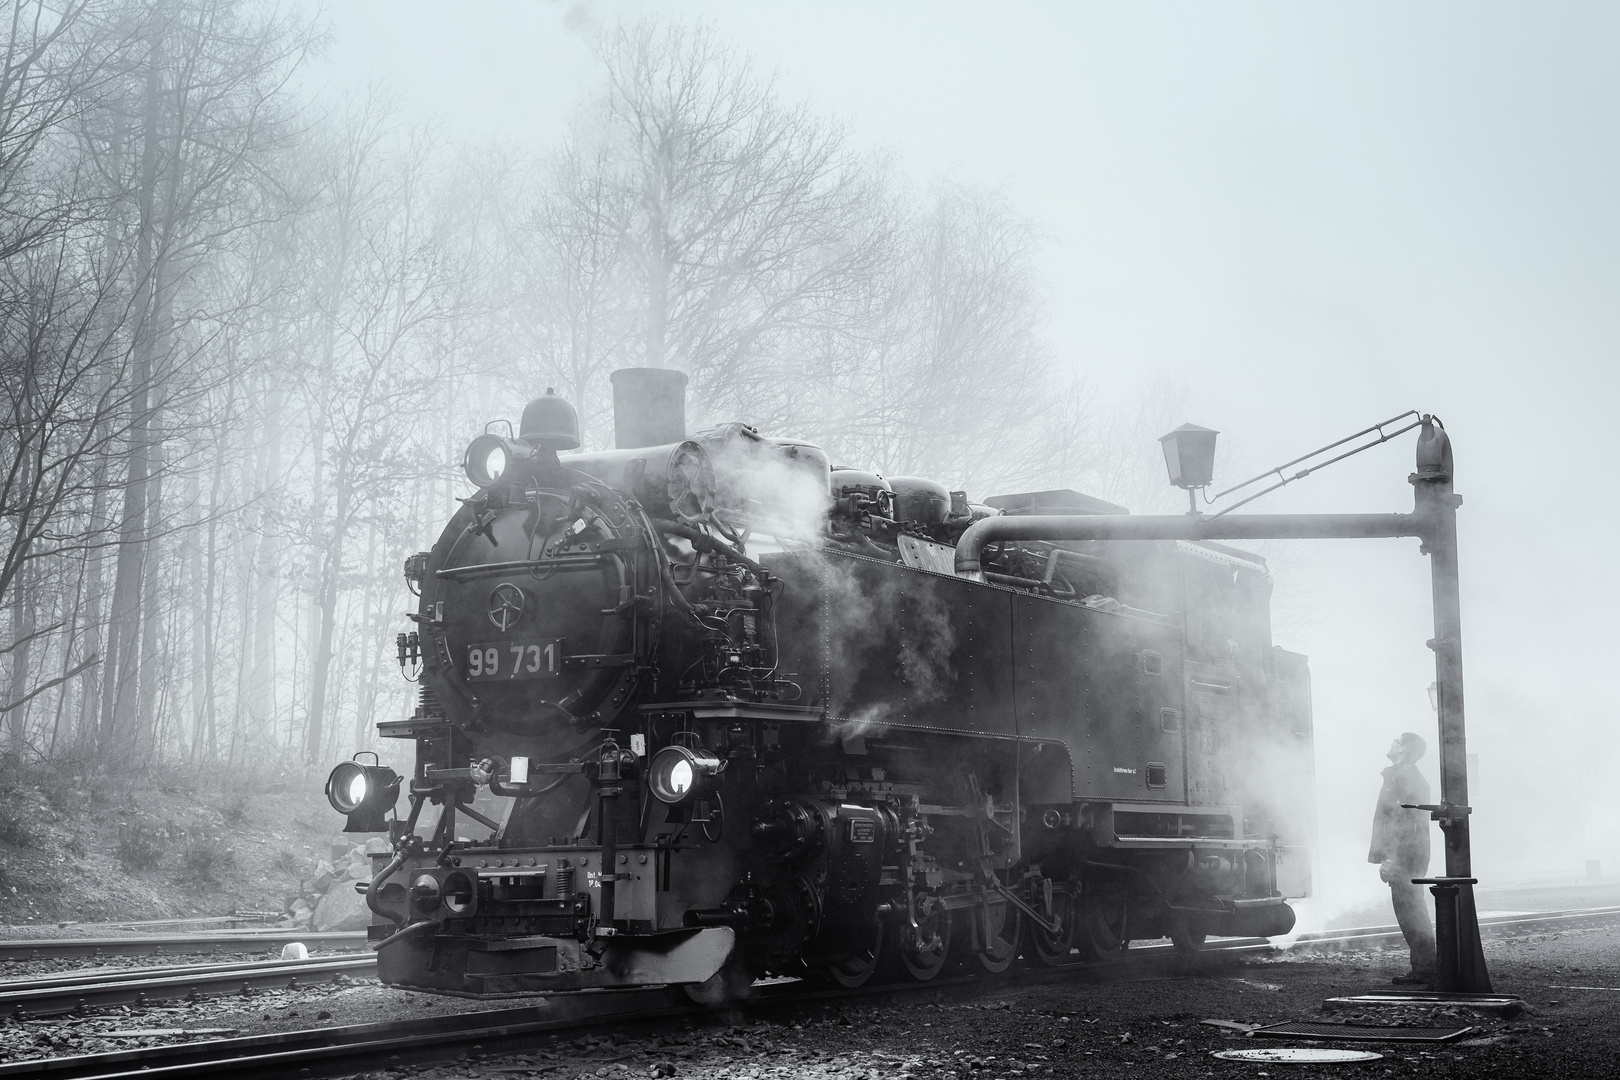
x=704 y=708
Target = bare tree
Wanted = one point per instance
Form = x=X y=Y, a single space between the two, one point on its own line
x=950 y=372
x=696 y=220
x=386 y=278
x=63 y=409
x=57 y=61
x=569 y=305
x=131 y=139
x=203 y=116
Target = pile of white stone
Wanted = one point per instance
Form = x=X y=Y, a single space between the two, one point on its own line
x=329 y=901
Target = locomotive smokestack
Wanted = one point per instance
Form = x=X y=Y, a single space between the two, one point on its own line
x=649 y=407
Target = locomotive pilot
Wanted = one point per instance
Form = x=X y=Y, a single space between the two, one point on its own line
x=1400 y=847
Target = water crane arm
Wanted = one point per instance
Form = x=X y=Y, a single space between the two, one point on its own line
x=1383 y=437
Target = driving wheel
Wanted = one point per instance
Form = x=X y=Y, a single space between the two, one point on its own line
x=1102 y=922
x=995 y=935
x=1054 y=950
x=1186 y=934
x=923 y=962
x=854 y=971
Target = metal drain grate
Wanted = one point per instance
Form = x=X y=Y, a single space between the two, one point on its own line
x=1504 y=1005
x=1298 y=1055
x=1361 y=1032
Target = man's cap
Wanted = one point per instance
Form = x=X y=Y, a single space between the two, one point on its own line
x=1415 y=746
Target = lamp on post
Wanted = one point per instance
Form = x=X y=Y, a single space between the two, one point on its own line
x=1189 y=455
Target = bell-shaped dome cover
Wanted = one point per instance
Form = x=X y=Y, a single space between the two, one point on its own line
x=920 y=500
x=550 y=423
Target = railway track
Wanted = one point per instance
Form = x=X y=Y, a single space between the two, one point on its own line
x=193 y=944
x=74 y=991
x=71 y=992
x=360 y=1046
x=357 y=1047
x=1366 y=936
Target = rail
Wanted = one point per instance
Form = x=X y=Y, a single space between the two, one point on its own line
x=194 y=944
x=70 y=992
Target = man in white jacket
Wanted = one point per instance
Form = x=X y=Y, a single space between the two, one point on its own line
x=1400 y=847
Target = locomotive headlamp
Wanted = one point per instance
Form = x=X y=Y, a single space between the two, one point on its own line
x=1189 y=456
x=460 y=894
x=364 y=792
x=490 y=457
x=679 y=774
x=426 y=893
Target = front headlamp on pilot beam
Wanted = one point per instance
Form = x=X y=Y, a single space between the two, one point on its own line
x=680 y=774
x=366 y=793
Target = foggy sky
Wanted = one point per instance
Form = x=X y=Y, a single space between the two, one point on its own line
x=1311 y=219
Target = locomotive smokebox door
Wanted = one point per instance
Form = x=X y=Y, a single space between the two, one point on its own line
x=540 y=623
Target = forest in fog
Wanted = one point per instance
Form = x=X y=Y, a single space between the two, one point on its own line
x=245 y=338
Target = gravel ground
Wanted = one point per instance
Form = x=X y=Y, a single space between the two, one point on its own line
x=346 y=1001
x=1571 y=980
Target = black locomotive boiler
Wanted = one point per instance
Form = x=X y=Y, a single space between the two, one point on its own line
x=703 y=708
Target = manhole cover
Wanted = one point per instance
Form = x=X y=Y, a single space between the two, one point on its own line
x=1298 y=1055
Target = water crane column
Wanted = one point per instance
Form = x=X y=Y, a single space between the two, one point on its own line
x=1461 y=961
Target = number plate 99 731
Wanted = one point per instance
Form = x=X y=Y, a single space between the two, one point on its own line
x=499 y=661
